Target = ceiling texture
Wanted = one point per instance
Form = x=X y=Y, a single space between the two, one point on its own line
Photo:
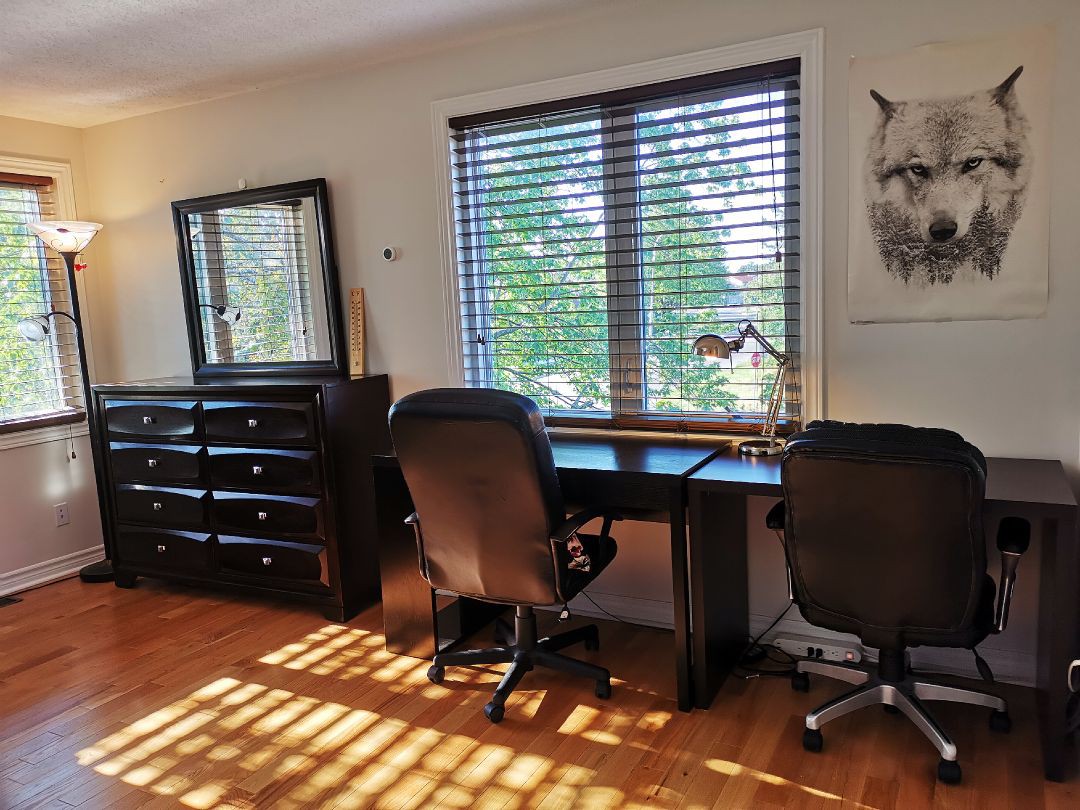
x=87 y=62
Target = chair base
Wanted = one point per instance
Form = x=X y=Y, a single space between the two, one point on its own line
x=523 y=651
x=905 y=695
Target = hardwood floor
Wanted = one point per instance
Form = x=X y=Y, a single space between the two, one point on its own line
x=164 y=696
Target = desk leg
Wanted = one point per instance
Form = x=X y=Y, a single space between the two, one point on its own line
x=719 y=588
x=681 y=594
x=1058 y=632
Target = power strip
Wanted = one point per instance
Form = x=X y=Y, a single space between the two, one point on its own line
x=806 y=647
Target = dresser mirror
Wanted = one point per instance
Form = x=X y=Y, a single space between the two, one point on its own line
x=260 y=282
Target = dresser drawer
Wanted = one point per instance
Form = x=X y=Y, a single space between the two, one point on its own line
x=287 y=423
x=162 y=548
x=274 y=470
x=157 y=463
x=297 y=563
x=163 y=506
x=152 y=419
x=268 y=514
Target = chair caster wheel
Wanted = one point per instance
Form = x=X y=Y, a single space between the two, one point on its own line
x=948 y=771
x=890 y=709
x=1000 y=721
x=800 y=681
x=493 y=712
x=435 y=673
x=602 y=690
x=812 y=740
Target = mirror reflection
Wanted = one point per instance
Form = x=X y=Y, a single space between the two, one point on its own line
x=259 y=282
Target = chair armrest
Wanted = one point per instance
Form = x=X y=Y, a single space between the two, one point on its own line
x=566 y=529
x=414 y=521
x=777 y=517
x=1013 y=539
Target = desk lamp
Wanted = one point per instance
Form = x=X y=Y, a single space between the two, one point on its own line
x=714 y=348
x=69 y=239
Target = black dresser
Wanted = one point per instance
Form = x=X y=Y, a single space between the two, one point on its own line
x=262 y=485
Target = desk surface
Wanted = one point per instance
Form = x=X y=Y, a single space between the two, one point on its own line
x=647 y=456
x=1008 y=480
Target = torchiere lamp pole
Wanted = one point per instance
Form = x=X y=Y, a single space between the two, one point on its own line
x=69 y=239
x=714 y=348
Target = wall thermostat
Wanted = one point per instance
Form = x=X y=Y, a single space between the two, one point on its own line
x=389 y=253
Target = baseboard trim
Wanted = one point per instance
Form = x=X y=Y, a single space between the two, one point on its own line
x=43 y=573
x=632 y=609
x=1009 y=666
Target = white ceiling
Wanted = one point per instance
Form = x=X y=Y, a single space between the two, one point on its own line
x=86 y=62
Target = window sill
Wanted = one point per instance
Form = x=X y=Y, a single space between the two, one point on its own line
x=42 y=430
x=716 y=438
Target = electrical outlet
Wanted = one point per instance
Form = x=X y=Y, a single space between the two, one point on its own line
x=62 y=516
x=806 y=647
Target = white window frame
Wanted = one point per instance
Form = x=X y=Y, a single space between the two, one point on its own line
x=65 y=209
x=808 y=46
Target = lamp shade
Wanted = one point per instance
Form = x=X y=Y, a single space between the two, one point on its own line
x=35 y=328
x=65 y=237
x=712 y=348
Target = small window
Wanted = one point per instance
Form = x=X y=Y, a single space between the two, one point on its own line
x=40 y=382
x=599 y=236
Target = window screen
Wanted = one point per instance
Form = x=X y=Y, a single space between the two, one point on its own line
x=598 y=237
x=39 y=382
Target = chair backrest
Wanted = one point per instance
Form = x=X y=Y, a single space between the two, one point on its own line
x=884 y=530
x=479 y=466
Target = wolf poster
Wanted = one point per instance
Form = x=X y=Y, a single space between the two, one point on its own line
x=950 y=171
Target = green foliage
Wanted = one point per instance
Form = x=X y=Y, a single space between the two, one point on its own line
x=259 y=254
x=29 y=372
x=550 y=278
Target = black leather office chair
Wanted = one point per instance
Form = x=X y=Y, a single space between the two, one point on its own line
x=882 y=528
x=490 y=524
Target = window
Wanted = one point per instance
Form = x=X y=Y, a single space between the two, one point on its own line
x=40 y=383
x=253 y=260
x=597 y=237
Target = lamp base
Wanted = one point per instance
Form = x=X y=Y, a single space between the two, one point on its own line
x=101 y=571
x=761 y=447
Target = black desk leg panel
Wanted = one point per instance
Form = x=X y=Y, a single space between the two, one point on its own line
x=718 y=587
x=1058 y=632
x=681 y=599
x=411 y=623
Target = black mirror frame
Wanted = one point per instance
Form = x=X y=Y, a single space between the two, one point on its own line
x=316 y=188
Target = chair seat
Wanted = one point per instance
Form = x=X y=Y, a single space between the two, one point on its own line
x=600 y=555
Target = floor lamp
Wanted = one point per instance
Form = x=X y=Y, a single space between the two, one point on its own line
x=69 y=239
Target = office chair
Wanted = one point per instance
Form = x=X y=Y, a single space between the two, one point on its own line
x=882 y=529
x=490 y=524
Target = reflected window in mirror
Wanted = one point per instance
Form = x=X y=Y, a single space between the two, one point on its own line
x=260 y=282
x=255 y=285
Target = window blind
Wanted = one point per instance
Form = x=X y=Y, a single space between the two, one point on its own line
x=255 y=258
x=39 y=382
x=598 y=237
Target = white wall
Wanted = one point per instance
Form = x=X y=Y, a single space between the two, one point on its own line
x=1011 y=387
x=33 y=478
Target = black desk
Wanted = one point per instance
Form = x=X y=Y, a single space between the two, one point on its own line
x=1032 y=488
x=642 y=477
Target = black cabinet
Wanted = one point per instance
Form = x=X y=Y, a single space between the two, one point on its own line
x=256 y=485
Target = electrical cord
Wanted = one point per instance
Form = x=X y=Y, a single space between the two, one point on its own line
x=749 y=665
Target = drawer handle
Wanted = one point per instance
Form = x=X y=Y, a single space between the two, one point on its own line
x=263 y=516
x=267 y=560
x=253 y=423
x=153 y=462
x=158 y=506
x=161 y=549
x=148 y=420
x=256 y=470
